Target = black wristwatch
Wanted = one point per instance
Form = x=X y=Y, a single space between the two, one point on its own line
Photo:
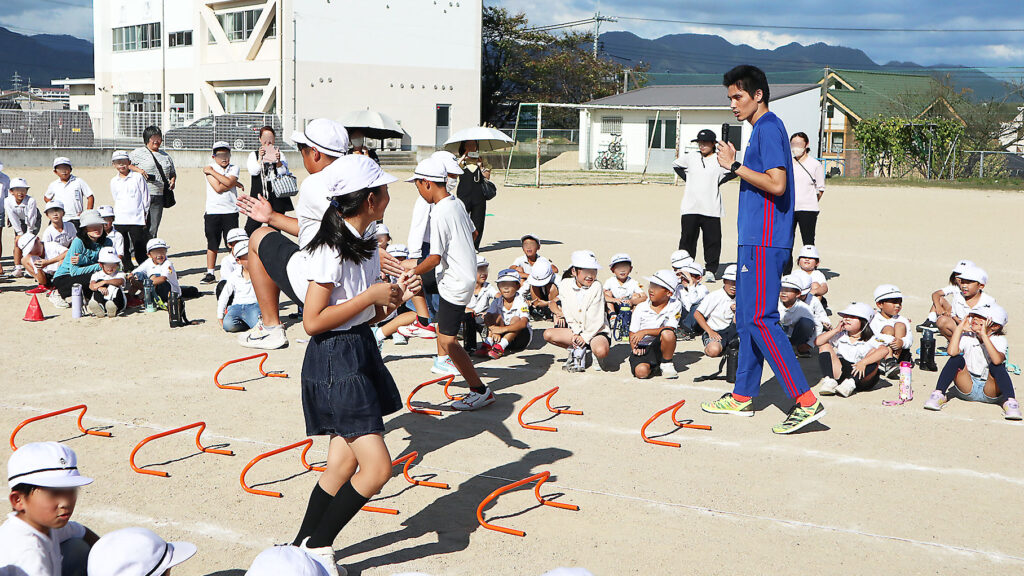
x=735 y=166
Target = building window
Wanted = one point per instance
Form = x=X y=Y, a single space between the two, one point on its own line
x=181 y=107
x=611 y=125
x=240 y=100
x=239 y=25
x=135 y=111
x=83 y=107
x=664 y=134
x=830 y=111
x=138 y=37
x=179 y=39
x=837 y=142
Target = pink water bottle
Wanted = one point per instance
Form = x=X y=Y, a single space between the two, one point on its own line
x=906 y=389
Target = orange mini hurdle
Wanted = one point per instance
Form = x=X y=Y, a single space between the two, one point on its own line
x=199 y=433
x=680 y=424
x=447 y=382
x=541 y=478
x=81 y=428
x=263 y=358
x=549 y=394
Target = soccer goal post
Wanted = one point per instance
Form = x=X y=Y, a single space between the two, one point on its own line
x=567 y=144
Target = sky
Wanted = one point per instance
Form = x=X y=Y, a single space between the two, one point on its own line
x=985 y=49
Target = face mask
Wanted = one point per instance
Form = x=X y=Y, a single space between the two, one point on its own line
x=797 y=152
x=474 y=154
x=357 y=142
x=451 y=184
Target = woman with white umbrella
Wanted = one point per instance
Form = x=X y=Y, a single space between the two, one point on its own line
x=475 y=187
x=363 y=124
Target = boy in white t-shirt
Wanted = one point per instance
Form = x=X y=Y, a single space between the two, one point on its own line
x=796 y=317
x=221 y=216
x=39 y=538
x=237 y=308
x=716 y=316
x=108 y=286
x=160 y=270
x=525 y=262
x=807 y=263
x=107 y=213
x=59 y=230
x=41 y=260
x=22 y=215
x=652 y=338
x=453 y=257
x=507 y=319
x=621 y=290
x=228 y=264
x=887 y=320
x=483 y=293
x=131 y=208
x=73 y=193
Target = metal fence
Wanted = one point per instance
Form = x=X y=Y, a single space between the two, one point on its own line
x=550 y=135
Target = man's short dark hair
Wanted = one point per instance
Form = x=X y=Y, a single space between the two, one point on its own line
x=750 y=79
x=149 y=132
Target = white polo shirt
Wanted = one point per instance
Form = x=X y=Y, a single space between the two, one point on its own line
x=419 y=227
x=854 y=351
x=72 y=193
x=51 y=250
x=690 y=297
x=703 y=174
x=788 y=317
x=166 y=270
x=481 y=300
x=325 y=266
x=879 y=321
x=622 y=290
x=224 y=202
x=25 y=551
x=645 y=317
x=517 y=309
x=717 y=310
x=960 y=307
x=311 y=205
x=131 y=199
x=816 y=276
x=63 y=237
x=975 y=354
x=118 y=240
x=451 y=237
x=23 y=217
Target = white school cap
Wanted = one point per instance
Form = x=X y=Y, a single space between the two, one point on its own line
x=237 y=235
x=526 y=237
x=887 y=292
x=90 y=218
x=541 y=273
x=61 y=160
x=286 y=561
x=430 y=169
x=136 y=552
x=858 y=310
x=730 y=273
x=108 y=256
x=106 y=211
x=451 y=163
x=666 y=279
x=155 y=243
x=481 y=261
x=327 y=136
x=994 y=312
x=693 y=267
x=509 y=275
x=398 y=250
x=961 y=266
x=53 y=204
x=26 y=240
x=809 y=251
x=240 y=249
x=974 y=274
x=19 y=183
x=221 y=145
x=623 y=257
x=679 y=258
x=382 y=229
x=792 y=281
x=584 y=260
x=119 y=155
x=354 y=173
x=46 y=464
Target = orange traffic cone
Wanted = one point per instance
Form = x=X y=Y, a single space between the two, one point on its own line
x=34 y=312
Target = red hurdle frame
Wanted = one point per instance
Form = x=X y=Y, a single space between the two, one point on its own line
x=549 y=394
x=81 y=428
x=684 y=424
x=541 y=478
x=263 y=358
x=199 y=433
x=447 y=382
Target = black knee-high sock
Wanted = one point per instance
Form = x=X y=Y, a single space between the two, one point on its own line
x=825 y=363
x=948 y=373
x=319 y=500
x=343 y=507
x=1002 y=378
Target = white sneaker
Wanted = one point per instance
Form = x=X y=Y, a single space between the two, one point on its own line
x=379 y=336
x=846 y=388
x=325 y=556
x=827 y=386
x=444 y=367
x=111 y=308
x=57 y=301
x=96 y=308
x=19 y=272
x=709 y=277
x=668 y=370
x=399 y=340
x=474 y=400
x=264 y=338
x=417 y=330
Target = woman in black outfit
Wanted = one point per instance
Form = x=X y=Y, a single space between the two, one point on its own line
x=473 y=185
x=270 y=159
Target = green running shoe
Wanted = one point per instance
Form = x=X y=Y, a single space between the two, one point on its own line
x=800 y=417
x=729 y=405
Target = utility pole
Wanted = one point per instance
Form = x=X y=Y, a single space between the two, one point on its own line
x=597 y=28
x=822 y=147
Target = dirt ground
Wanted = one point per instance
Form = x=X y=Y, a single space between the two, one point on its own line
x=871 y=489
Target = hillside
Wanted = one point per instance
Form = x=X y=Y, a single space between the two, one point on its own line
x=43 y=57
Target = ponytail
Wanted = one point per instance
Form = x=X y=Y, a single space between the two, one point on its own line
x=334 y=232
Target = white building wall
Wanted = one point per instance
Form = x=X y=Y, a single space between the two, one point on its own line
x=800 y=113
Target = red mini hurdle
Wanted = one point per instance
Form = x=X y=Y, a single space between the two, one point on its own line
x=81 y=428
x=549 y=394
x=541 y=478
x=199 y=433
x=680 y=424
x=263 y=358
x=447 y=382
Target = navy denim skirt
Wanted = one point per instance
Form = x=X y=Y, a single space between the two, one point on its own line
x=346 y=389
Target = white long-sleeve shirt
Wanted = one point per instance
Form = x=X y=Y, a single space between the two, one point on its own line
x=419 y=227
x=24 y=216
x=131 y=199
x=237 y=285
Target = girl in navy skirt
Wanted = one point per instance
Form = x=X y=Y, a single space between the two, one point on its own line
x=346 y=390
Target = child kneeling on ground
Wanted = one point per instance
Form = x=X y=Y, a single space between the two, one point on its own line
x=652 y=337
x=243 y=313
x=849 y=353
x=107 y=285
x=716 y=316
x=41 y=260
x=507 y=319
x=977 y=363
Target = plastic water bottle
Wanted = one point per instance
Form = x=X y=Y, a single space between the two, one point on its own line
x=149 y=293
x=76 y=300
x=906 y=389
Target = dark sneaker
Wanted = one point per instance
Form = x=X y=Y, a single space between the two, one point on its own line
x=208 y=279
x=927 y=326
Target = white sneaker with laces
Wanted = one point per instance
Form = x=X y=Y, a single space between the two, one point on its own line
x=444 y=367
x=668 y=370
x=325 y=556
x=399 y=340
x=417 y=330
x=57 y=301
x=827 y=386
x=846 y=388
x=474 y=400
x=96 y=309
x=111 y=308
x=263 y=338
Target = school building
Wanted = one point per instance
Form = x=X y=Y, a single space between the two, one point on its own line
x=178 y=62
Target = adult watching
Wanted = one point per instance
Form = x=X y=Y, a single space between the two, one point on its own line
x=268 y=161
x=809 y=186
x=157 y=168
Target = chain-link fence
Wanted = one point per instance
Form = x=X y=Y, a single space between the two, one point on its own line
x=985 y=164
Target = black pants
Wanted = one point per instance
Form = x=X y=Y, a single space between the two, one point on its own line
x=63 y=285
x=477 y=209
x=120 y=300
x=846 y=371
x=135 y=238
x=692 y=226
x=807 y=221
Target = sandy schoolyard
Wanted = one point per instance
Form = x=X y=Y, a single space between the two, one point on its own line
x=871 y=489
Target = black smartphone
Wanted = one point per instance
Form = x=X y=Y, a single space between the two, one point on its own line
x=151 y=177
x=725 y=133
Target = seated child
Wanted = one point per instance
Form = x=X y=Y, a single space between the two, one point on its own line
x=690 y=295
x=813 y=302
x=970 y=296
x=977 y=363
x=108 y=286
x=889 y=302
x=941 y=298
x=796 y=317
x=679 y=258
x=483 y=293
x=107 y=213
x=228 y=264
x=581 y=304
x=132 y=551
x=160 y=270
x=403 y=316
x=620 y=289
x=383 y=236
x=39 y=538
x=58 y=231
x=243 y=313
x=849 y=353
x=40 y=259
x=716 y=316
x=525 y=263
x=807 y=263
x=542 y=291
x=652 y=337
x=23 y=216
x=507 y=319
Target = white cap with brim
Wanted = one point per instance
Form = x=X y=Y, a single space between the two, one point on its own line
x=108 y=256
x=236 y=235
x=46 y=464
x=325 y=135
x=994 y=312
x=382 y=229
x=618 y=258
x=961 y=266
x=451 y=163
x=858 y=310
x=119 y=155
x=679 y=258
x=61 y=160
x=792 y=282
x=105 y=211
x=526 y=237
x=509 y=275
x=809 y=251
x=665 y=278
x=286 y=561
x=53 y=205
x=221 y=145
x=974 y=274
x=541 y=273
x=431 y=170
x=90 y=218
x=730 y=273
x=240 y=249
x=136 y=552
x=354 y=173
x=584 y=260
x=399 y=250
x=887 y=292
x=156 y=243
x=19 y=183
x=693 y=267
x=481 y=261
x=26 y=240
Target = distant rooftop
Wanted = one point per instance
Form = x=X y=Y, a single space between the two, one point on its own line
x=690 y=96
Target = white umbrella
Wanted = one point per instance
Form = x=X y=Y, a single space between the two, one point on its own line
x=372 y=124
x=487 y=139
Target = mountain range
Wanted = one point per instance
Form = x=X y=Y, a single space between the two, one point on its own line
x=43 y=57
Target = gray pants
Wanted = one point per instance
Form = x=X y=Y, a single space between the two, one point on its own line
x=156 y=212
x=76 y=557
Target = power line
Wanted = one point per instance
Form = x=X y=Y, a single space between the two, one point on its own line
x=817 y=28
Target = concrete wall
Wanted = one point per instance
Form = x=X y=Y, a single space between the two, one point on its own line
x=95 y=157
